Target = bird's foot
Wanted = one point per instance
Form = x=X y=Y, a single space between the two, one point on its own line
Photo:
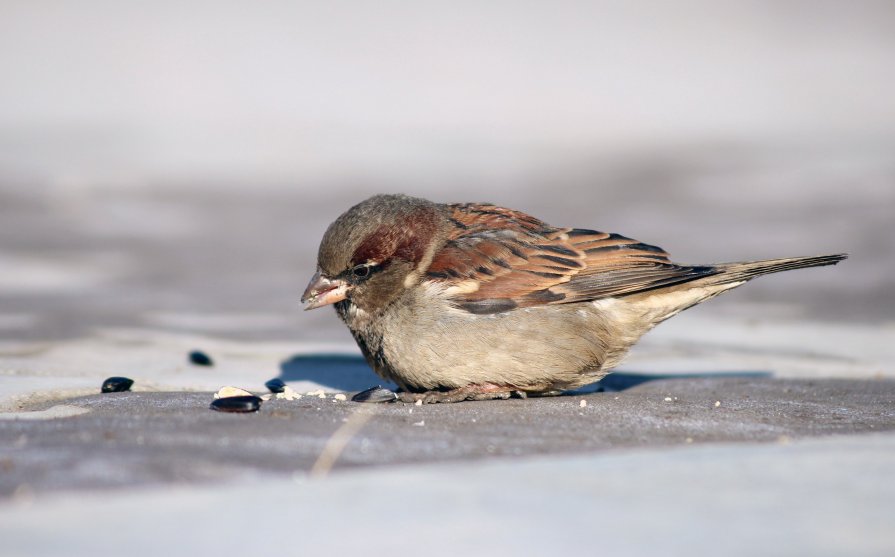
x=484 y=391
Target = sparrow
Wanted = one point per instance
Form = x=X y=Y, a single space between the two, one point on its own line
x=471 y=301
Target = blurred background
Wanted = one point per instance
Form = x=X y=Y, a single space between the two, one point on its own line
x=172 y=165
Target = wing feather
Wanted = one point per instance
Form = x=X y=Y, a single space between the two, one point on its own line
x=506 y=259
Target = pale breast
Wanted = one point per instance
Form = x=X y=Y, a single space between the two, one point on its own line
x=434 y=345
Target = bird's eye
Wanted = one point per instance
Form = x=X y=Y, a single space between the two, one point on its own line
x=361 y=271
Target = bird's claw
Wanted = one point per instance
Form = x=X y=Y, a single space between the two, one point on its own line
x=470 y=392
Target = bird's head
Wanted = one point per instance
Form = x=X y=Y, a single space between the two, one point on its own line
x=374 y=251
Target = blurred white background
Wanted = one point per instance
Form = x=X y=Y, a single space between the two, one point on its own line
x=283 y=91
x=183 y=158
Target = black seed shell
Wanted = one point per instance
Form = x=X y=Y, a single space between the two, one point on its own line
x=276 y=385
x=237 y=404
x=200 y=358
x=117 y=385
x=375 y=394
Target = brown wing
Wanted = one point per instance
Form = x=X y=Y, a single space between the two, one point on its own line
x=497 y=259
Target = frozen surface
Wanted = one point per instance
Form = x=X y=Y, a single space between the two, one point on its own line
x=166 y=174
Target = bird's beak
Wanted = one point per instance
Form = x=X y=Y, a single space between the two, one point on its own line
x=322 y=291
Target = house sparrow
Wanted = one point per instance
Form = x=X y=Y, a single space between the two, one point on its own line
x=472 y=301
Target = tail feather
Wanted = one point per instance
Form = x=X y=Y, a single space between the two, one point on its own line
x=738 y=272
x=661 y=303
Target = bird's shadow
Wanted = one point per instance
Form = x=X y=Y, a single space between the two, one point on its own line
x=624 y=380
x=345 y=372
x=339 y=372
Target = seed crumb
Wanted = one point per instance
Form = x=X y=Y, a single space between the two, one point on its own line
x=717 y=403
x=288 y=394
x=340 y=397
x=420 y=423
x=418 y=402
x=668 y=399
x=227 y=392
x=583 y=403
